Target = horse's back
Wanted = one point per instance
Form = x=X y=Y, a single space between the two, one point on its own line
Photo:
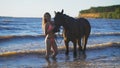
x=84 y=21
x=85 y=25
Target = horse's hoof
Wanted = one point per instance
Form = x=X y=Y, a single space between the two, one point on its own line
x=84 y=52
x=74 y=56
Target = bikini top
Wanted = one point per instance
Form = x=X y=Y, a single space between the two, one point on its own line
x=50 y=27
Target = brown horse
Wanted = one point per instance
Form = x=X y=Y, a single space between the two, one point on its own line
x=74 y=30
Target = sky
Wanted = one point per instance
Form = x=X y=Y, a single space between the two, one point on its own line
x=37 y=8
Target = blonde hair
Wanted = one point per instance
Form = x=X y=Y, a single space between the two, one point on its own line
x=44 y=21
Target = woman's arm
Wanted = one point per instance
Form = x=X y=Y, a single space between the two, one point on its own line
x=46 y=27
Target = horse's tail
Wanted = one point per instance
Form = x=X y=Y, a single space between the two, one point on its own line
x=86 y=32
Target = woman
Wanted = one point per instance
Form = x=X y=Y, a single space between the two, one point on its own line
x=47 y=26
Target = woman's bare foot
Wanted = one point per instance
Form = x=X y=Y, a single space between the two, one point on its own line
x=46 y=57
x=53 y=57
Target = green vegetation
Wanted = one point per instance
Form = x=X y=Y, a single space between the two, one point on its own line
x=104 y=12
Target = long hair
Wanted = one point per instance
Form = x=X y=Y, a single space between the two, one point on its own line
x=44 y=21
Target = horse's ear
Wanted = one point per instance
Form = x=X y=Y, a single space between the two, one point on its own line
x=55 y=12
x=62 y=11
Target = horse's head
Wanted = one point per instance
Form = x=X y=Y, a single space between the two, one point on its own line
x=58 y=19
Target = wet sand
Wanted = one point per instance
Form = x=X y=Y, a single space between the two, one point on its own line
x=102 y=57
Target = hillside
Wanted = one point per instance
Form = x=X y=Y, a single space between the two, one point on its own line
x=101 y=12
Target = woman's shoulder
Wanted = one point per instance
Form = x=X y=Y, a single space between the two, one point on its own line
x=47 y=25
x=50 y=23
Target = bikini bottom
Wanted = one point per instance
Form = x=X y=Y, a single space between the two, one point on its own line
x=52 y=40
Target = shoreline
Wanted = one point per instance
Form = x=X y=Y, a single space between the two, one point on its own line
x=60 y=49
x=107 y=57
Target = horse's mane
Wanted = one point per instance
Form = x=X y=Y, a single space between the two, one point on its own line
x=69 y=19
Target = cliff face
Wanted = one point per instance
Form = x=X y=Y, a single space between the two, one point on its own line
x=101 y=12
x=90 y=15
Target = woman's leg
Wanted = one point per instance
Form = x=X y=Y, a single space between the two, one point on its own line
x=55 y=49
x=48 y=47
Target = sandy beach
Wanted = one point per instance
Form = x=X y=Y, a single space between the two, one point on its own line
x=100 y=57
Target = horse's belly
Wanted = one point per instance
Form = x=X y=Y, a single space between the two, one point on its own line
x=71 y=37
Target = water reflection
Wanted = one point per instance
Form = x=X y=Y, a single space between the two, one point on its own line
x=66 y=61
x=52 y=62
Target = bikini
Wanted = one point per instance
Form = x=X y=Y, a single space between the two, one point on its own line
x=51 y=38
x=50 y=27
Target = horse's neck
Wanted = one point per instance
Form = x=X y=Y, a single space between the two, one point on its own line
x=67 y=22
x=66 y=26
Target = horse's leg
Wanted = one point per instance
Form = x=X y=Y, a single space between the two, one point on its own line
x=85 y=38
x=67 y=47
x=75 y=50
x=79 y=46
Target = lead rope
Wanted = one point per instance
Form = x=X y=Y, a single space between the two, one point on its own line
x=59 y=42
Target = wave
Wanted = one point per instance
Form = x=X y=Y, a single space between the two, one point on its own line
x=106 y=34
x=7 y=20
x=58 y=35
x=9 y=28
x=9 y=53
x=60 y=49
x=20 y=36
x=103 y=45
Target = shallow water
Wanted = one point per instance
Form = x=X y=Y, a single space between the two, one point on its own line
x=25 y=34
x=102 y=57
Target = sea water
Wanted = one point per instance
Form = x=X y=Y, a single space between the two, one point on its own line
x=26 y=34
